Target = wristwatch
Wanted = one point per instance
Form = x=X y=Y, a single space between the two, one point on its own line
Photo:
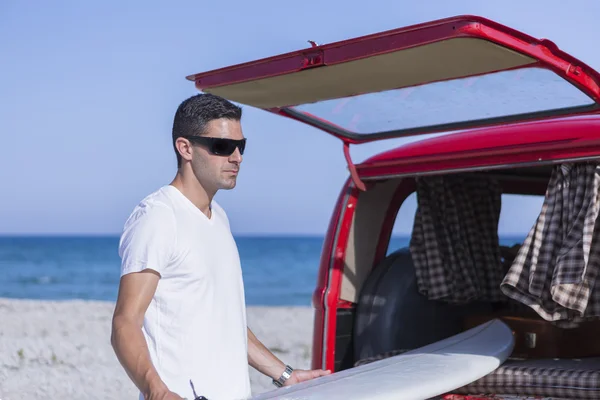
x=287 y=373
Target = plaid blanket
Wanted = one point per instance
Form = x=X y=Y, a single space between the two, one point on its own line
x=454 y=245
x=564 y=379
x=556 y=268
x=556 y=378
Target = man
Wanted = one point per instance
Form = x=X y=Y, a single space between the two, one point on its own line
x=179 y=325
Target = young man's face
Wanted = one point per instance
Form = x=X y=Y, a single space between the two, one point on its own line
x=213 y=171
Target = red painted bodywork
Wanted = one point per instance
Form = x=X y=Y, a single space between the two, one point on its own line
x=326 y=294
x=520 y=143
x=497 y=145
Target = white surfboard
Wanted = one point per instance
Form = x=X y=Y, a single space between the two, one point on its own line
x=419 y=374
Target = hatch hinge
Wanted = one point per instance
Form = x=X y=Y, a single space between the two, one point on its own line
x=313 y=57
x=355 y=178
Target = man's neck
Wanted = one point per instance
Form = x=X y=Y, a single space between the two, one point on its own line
x=191 y=188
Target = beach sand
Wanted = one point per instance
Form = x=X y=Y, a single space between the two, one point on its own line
x=61 y=350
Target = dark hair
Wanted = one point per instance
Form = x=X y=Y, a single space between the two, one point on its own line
x=194 y=113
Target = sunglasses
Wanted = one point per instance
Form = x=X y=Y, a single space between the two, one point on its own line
x=219 y=146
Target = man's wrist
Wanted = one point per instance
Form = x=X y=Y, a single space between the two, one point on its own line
x=154 y=384
x=285 y=375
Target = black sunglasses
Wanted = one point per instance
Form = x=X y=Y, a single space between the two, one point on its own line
x=219 y=146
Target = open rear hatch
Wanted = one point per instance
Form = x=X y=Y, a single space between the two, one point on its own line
x=451 y=74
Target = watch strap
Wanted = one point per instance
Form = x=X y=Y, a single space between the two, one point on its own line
x=287 y=373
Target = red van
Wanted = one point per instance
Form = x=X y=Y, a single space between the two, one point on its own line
x=512 y=115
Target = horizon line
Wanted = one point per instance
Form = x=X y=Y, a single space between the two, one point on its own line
x=238 y=234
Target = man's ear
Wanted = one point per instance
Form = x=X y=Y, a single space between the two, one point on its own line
x=184 y=147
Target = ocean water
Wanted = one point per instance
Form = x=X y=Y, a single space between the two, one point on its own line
x=277 y=270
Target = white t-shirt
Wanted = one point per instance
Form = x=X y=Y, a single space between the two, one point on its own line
x=195 y=326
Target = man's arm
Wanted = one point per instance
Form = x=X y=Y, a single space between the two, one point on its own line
x=135 y=293
x=264 y=361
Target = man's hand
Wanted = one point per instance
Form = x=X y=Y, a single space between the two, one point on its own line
x=301 y=375
x=263 y=360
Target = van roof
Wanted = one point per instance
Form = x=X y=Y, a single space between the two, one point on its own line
x=516 y=145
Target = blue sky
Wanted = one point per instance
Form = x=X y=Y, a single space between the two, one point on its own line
x=89 y=91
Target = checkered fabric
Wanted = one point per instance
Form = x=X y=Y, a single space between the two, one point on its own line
x=454 y=244
x=556 y=268
x=569 y=379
